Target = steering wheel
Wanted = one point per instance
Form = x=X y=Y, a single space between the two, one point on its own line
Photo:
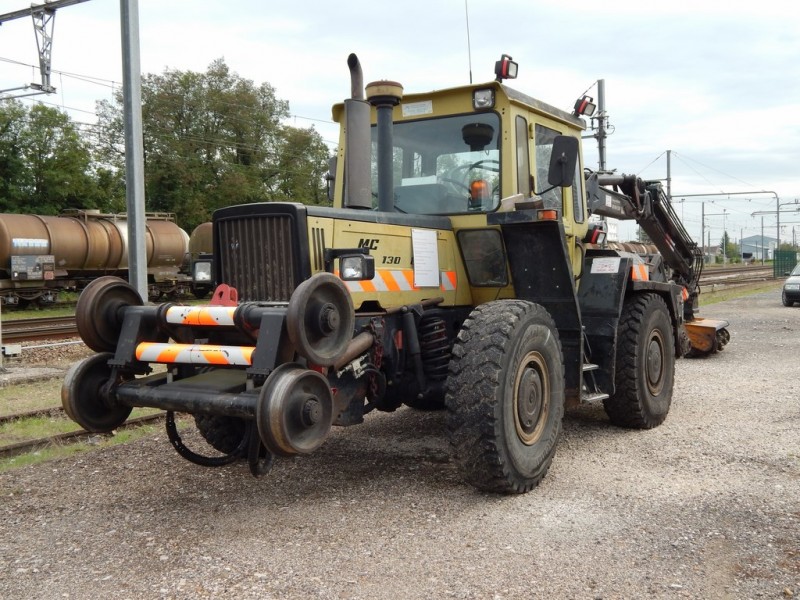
x=489 y=164
x=455 y=183
x=456 y=177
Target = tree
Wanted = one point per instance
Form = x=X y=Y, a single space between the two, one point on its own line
x=214 y=139
x=13 y=174
x=301 y=165
x=730 y=249
x=45 y=163
x=59 y=161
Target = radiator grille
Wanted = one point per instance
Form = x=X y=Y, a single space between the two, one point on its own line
x=318 y=248
x=258 y=254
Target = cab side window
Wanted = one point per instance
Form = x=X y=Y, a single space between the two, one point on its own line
x=543 y=141
x=577 y=195
x=523 y=158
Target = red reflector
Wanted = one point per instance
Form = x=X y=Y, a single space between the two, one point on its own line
x=548 y=215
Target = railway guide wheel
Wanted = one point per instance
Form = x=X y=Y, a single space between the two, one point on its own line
x=294 y=413
x=84 y=399
x=98 y=315
x=320 y=319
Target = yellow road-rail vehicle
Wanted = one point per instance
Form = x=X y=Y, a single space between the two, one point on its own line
x=457 y=269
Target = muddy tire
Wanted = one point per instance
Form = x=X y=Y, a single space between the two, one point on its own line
x=505 y=396
x=224 y=434
x=645 y=366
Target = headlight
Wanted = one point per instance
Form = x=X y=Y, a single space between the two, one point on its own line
x=356 y=267
x=792 y=286
x=202 y=271
x=482 y=99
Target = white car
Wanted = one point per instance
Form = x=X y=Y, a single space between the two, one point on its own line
x=791 y=287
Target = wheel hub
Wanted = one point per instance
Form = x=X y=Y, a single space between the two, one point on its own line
x=312 y=412
x=294 y=413
x=654 y=364
x=531 y=398
x=329 y=320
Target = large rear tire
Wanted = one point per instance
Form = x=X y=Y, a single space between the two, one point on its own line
x=645 y=366
x=505 y=396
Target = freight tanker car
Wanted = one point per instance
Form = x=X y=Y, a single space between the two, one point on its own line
x=41 y=256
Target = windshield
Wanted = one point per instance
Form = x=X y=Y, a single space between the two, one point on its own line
x=445 y=165
x=796 y=270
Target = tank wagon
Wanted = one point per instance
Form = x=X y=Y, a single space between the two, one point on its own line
x=41 y=256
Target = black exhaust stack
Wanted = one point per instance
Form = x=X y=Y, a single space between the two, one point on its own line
x=357 y=158
x=384 y=96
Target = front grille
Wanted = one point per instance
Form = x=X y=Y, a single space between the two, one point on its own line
x=260 y=253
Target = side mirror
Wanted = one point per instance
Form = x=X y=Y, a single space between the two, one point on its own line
x=562 y=161
x=330 y=177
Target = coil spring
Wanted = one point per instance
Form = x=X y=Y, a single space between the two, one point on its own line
x=434 y=347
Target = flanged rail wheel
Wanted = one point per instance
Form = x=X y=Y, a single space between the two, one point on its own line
x=505 y=396
x=98 y=315
x=82 y=397
x=294 y=413
x=645 y=364
x=320 y=319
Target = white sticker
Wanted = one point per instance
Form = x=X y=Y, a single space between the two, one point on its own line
x=415 y=109
x=426 y=258
x=29 y=243
x=605 y=265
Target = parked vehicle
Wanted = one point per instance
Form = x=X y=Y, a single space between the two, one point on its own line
x=791 y=287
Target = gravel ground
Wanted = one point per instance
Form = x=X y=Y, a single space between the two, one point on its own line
x=705 y=506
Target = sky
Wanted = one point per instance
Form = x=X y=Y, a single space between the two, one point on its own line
x=716 y=83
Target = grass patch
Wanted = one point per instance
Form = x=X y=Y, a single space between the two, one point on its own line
x=33 y=428
x=707 y=298
x=67 y=310
x=30 y=396
x=55 y=452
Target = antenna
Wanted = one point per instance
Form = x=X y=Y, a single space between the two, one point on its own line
x=469 y=46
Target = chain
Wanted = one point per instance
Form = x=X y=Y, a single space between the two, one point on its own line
x=376 y=326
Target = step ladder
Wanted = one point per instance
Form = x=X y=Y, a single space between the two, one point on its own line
x=589 y=392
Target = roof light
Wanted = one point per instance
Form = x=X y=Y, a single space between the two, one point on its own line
x=482 y=99
x=479 y=193
x=584 y=106
x=505 y=68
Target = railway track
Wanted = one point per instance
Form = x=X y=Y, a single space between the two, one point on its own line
x=17 y=448
x=40 y=328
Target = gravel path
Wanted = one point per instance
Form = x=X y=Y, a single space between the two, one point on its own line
x=705 y=506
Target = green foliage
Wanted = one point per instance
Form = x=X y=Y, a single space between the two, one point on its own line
x=730 y=249
x=45 y=164
x=214 y=139
x=211 y=139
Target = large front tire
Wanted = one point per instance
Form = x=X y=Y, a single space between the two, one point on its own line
x=645 y=364
x=505 y=396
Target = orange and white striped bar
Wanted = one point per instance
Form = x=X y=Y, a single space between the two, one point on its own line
x=208 y=316
x=400 y=280
x=639 y=270
x=194 y=354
